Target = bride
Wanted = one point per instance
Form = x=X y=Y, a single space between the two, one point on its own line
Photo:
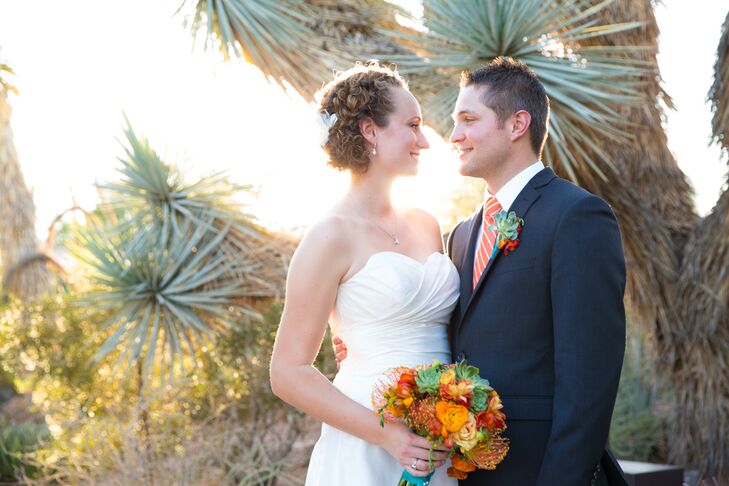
x=378 y=275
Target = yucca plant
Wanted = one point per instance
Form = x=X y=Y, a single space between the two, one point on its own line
x=297 y=43
x=164 y=256
x=585 y=84
x=155 y=196
x=275 y=36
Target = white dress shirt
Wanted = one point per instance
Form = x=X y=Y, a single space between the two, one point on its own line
x=507 y=194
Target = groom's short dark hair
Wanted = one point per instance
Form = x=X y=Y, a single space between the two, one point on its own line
x=511 y=86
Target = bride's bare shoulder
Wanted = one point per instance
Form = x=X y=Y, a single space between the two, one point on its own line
x=328 y=236
x=426 y=226
x=422 y=221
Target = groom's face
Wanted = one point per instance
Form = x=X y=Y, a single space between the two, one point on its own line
x=483 y=145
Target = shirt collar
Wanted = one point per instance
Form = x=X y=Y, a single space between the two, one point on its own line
x=507 y=194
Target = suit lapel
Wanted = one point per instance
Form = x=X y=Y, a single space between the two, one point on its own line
x=474 y=225
x=521 y=206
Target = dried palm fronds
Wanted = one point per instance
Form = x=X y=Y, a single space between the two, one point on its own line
x=719 y=93
x=684 y=303
x=700 y=417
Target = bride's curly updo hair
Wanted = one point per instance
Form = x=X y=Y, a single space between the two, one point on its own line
x=359 y=92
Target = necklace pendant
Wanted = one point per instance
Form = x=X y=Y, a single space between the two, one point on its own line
x=395 y=240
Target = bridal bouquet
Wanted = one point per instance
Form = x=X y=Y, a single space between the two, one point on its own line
x=449 y=405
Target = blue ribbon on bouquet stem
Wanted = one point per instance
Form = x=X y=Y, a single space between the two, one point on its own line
x=408 y=479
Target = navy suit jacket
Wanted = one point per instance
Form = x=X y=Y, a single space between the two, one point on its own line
x=546 y=326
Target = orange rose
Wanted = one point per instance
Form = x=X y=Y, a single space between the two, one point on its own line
x=466 y=436
x=452 y=416
x=462 y=464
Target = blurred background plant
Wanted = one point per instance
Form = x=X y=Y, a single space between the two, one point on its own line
x=153 y=356
x=639 y=429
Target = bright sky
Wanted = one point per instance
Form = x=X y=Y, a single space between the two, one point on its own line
x=80 y=63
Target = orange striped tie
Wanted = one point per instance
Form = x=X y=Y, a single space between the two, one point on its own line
x=488 y=238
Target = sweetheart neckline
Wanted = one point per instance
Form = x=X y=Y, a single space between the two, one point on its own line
x=407 y=257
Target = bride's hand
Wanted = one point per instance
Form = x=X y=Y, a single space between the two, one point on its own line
x=411 y=450
x=340 y=349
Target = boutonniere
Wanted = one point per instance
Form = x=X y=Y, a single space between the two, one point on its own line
x=507 y=227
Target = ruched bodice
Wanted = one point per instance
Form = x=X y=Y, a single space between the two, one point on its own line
x=394 y=311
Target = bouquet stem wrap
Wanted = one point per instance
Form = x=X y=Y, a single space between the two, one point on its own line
x=408 y=479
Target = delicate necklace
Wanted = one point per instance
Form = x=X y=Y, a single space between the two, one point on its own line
x=393 y=236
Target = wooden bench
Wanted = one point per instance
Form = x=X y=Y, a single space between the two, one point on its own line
x=647 y=474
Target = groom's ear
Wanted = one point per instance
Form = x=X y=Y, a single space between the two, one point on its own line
x=368 y=129
x=520 y=122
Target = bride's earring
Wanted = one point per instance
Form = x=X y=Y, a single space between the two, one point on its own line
x=374 y=149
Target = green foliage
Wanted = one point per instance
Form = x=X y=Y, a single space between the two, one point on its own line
x=48 y=345
x=167 y=268
x=465 y=371
x=16 y=441
x=242 y=358
x=638 y=429
x=479 y=401
x=218 y=419
x=428 y=379
x=164 y=265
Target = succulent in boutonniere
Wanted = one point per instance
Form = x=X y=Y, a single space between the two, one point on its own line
x=508 y=226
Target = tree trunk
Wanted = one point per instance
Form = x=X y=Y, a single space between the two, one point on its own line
x=25 y=274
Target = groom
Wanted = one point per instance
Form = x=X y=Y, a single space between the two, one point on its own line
x=544 y=322
x=543 y=318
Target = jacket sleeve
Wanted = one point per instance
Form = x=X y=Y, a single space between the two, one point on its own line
x=451 y=236
x=587 y=287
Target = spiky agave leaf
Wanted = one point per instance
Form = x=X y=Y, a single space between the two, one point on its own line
x=154 y=195
x=174 y=262
x=274 y=36
x=161 y=297
x=585 y=85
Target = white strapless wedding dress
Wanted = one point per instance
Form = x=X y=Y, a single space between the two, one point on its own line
x=393 y=312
